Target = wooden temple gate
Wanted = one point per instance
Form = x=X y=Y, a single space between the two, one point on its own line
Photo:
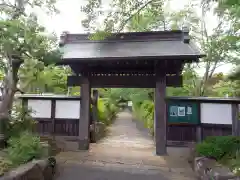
x=128 y=60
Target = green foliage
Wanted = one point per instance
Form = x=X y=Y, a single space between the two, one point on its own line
x=219 y=147
x=222 y=88
x=24 y=148
x=144 y=111
x=107 y=111
x=20 y=121
x=101 y=109
x=235 y=75
x=219 y=43
x=29 y=44
x=229 y=7
x=22 y=40
x=37 y=78
x=99 y=35
x=210 y=150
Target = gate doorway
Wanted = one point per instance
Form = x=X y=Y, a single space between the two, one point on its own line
x=128 y=60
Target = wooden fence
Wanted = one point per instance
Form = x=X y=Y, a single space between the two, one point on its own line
x=213 y=117
x=59 y=115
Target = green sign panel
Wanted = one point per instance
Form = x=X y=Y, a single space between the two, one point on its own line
x=183 y=112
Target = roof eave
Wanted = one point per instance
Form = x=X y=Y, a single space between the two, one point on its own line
x=185 y=58
x=67 y=38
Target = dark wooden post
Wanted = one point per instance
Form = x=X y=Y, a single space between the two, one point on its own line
x=94 y=114
x=95 y=101
x=160 y=116
x=53 y=112
x=199 y=133
x=84 y=114
x=235 y=120
x=24 y=103
x=199 y=127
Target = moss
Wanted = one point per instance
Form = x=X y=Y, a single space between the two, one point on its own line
x=5 y=165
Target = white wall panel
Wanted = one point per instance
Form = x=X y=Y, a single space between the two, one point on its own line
x=214 y=113
x=68 y=109
x=40 y=108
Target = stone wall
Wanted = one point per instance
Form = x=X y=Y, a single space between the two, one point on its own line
x=209 y=169
x=37 y=170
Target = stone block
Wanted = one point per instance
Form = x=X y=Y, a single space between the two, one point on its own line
x=209 y=169
x=27 y=171
x=83 y=144
x=221 y=173
x=46 y=168
x=34 y=170
x=99 y=130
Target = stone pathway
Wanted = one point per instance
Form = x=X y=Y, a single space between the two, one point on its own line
x=127 y=153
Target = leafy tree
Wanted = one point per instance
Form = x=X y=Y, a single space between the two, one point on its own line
x=22 y=40
x=226 y=88
x=235 y=75
x=37 y=78
x=229 y=7
x=220 y=45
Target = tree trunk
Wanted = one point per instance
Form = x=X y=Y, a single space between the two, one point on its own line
x=9 y=90
x=5 y=113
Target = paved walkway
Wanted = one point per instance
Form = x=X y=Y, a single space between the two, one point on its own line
x=127 y=153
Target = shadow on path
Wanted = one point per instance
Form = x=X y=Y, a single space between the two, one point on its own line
x=126 y=153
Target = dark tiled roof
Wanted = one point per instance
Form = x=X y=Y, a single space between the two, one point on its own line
x=161 y=45
x=207 y=99
x=48 y=97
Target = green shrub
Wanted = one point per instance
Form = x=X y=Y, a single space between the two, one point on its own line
x=101 y=110
x=209 y=150
x=107 y=111
x=24 y=148
x=219 y=146
x=19 y=122
x=144 y=111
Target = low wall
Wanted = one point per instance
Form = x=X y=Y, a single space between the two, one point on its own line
x=37 y=170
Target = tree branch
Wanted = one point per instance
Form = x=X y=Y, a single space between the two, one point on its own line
x=132 y=15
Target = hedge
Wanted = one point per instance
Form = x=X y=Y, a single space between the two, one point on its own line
x=107 y=111
x=144 y=111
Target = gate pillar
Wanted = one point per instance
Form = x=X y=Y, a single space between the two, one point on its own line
x=160 y=119
x=94 y=115
x=84 y=121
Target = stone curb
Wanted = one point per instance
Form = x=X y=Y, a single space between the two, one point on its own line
x=209 y=169
x=36 y=169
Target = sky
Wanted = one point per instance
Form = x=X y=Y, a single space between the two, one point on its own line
x=70 y=16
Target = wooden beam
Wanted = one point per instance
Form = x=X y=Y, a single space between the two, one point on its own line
x=124 y=81
x=174 y=67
